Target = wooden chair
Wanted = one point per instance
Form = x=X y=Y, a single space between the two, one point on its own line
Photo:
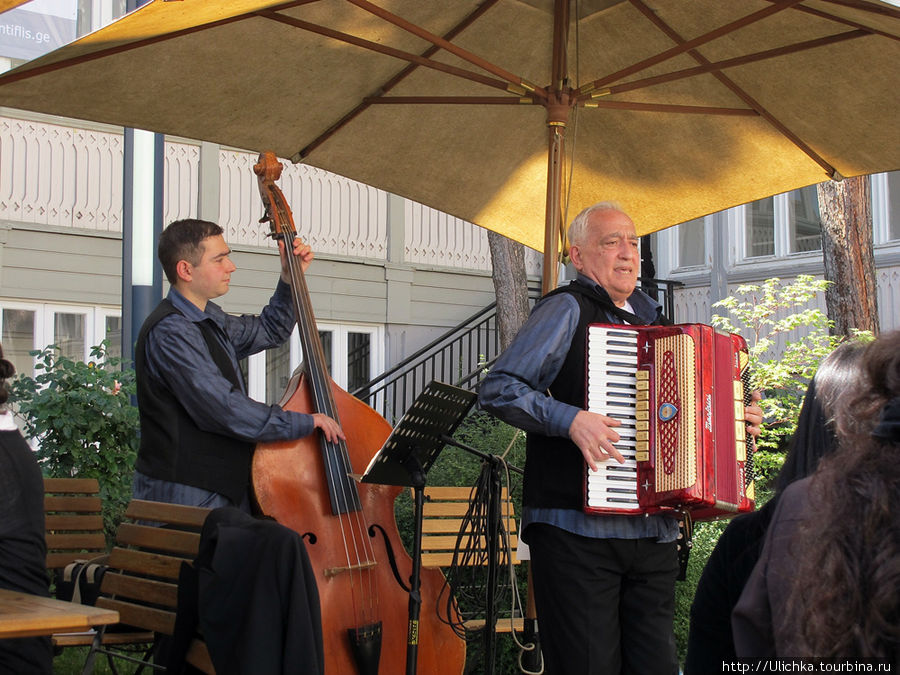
x=141 y=583
x=444 y=512
x=73 y=521
x=74 y=531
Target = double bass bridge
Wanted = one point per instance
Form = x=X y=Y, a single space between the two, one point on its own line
x=330 y=572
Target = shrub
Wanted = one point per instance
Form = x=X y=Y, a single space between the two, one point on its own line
x=763 y=312
x=81 y=416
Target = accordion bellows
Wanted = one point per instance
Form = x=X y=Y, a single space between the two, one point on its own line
x=679 y=392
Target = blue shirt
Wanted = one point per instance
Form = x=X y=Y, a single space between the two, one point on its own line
x=177 y=355
x=516 y=391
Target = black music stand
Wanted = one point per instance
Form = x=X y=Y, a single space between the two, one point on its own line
x=405 y=458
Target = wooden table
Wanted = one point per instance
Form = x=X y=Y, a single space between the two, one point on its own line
x=24 y=615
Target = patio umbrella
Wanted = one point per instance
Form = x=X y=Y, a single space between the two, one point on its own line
x=512 y=114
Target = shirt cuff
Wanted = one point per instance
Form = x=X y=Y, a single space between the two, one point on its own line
x=559 y=425
x=301 y=425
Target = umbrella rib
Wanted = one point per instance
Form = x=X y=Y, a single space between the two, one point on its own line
x=711 y=66
x=446 y=45
x=391 y=83
x=853 y=24
x=671 y=107
x=737 y=90
x=470 y=100
x=118 y=49
x=384 y=49
x=687 y=45
x=867 y=7
x=452 y=33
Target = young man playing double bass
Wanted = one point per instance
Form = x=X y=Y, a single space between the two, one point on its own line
x=198 y=426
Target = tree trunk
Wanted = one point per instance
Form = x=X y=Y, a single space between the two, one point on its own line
x=510 y=285
x=845 y=208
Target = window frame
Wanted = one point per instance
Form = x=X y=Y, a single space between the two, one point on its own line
x=256 y=364
x=94 y=322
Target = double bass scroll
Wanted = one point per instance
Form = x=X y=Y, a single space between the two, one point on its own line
x=307 y=484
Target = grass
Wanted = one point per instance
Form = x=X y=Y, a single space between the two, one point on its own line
x=70 y=661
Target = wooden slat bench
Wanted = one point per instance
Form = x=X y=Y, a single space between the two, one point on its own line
x=73 y=521
x=142 y=580
x=443 y=514
x=74 y=531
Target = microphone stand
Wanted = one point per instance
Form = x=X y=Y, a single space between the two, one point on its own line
x=405 y=459
x=492 y=465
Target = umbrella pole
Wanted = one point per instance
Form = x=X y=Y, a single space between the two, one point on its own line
x=554 y=212
x=558 y=107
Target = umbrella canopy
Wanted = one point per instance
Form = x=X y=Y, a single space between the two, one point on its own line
x=9 y=4
x=512 y=114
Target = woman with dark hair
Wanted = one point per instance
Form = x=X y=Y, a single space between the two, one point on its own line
x=710 y=641
x=827 y=584
x=22 y=545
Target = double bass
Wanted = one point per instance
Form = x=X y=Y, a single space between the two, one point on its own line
x=349 y=528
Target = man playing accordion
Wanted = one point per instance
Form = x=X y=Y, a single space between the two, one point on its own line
x=604 y=585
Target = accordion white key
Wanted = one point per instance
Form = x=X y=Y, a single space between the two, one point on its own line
x=679 y=392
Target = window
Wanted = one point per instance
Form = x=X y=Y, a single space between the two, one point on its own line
x=26 y=327
x=893 y=181
x=805 y=224
x=278 y=372
x=692 y=243
x=112 y=329
x=18 y=338
x=783 y=224
x=761 y=228
x=68 y=332
x=359 y=370
x=351 y=358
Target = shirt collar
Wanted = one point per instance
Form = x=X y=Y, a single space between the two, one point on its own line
x=7 y=423
x=642 y=305
x=194 y=313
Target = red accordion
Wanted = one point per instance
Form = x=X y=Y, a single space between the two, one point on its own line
x=680 y=393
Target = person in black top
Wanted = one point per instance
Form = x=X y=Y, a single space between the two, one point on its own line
x=23 y=549
x=710 y=639
x=827 y=584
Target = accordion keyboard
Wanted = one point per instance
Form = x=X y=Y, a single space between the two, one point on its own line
x=611 y=391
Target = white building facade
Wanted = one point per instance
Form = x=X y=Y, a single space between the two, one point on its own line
x=390 y=274
x=779 y=236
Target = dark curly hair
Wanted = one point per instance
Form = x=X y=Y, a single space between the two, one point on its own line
x=845 y=598
x=7 y=370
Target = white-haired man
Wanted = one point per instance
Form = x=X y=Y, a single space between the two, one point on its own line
x=604 y=585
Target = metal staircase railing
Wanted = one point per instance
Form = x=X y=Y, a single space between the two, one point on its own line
x=454 y=357
x=461 y=356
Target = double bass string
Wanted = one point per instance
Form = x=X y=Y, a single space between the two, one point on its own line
x=343 y=554
x=335 y=453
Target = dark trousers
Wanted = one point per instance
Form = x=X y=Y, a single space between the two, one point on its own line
x=604 y=606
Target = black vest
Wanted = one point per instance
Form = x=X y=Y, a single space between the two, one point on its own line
x=172 y=447
x=555 y=466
